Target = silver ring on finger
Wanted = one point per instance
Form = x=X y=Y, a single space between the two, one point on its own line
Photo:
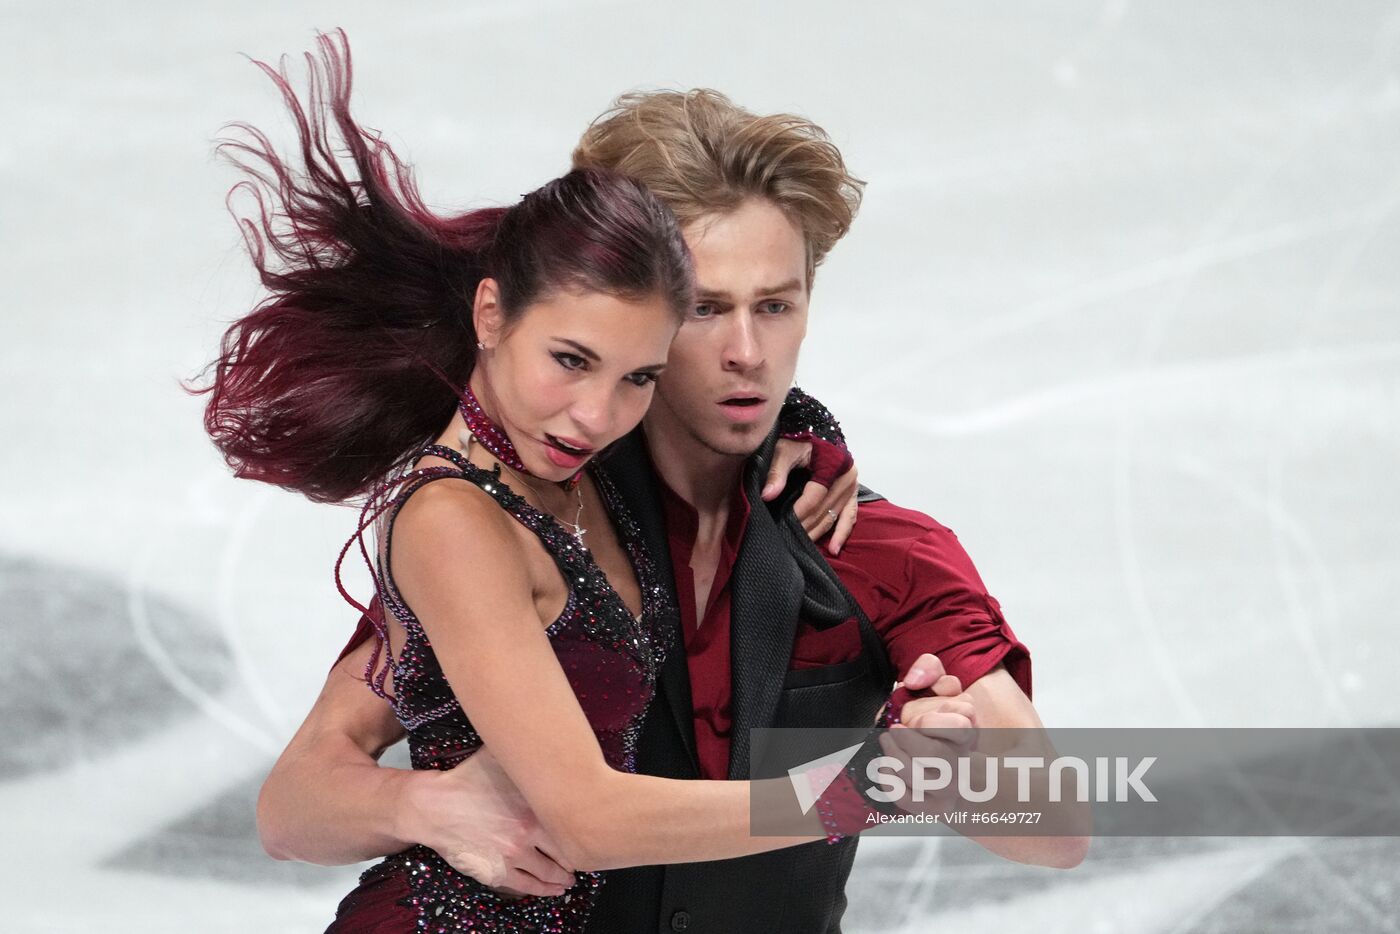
x=831 y=514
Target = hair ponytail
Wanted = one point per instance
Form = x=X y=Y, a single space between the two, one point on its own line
x=357 y=356
x=352 y=360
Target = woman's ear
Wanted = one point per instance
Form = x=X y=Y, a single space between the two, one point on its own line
x=488 y=318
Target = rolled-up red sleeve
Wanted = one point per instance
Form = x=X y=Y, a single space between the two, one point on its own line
x=363 y=630
x=922 y=592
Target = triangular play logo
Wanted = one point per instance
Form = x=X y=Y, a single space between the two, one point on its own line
x=811 y=779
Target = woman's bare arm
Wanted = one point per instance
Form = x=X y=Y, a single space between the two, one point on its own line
x=328 y=801
x=456 y=560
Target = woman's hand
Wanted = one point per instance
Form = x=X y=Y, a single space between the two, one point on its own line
x=828 y=501
x=478 y=822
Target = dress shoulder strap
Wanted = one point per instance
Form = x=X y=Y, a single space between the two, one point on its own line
x=385 y=503
x=562 y=546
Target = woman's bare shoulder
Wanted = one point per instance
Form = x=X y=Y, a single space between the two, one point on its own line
x=455 y=512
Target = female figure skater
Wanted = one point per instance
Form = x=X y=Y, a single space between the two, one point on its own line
x=523 y=610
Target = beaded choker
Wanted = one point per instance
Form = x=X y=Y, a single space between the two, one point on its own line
x=490 y=436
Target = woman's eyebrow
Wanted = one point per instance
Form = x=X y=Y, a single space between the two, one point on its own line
x=586 y=351
x=583 y=351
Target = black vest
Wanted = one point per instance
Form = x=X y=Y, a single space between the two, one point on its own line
x=779 y=581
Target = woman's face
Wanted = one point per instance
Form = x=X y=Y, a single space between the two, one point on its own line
x=573 y=373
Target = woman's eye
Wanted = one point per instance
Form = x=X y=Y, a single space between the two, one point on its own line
x=570 y=361
x=640 y=379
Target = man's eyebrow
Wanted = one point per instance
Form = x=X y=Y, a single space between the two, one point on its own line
x=582 y=350
x=792 y=285
x=706 y=292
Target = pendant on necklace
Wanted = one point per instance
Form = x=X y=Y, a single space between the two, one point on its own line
x=579 y=534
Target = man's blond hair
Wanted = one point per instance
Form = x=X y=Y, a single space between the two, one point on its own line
x=700 y=153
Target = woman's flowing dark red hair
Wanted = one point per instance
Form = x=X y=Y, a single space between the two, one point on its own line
x=358 y=354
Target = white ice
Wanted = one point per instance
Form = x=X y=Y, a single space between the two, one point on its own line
x=1120 y=308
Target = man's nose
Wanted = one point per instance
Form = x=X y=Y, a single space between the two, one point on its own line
x=742 y=350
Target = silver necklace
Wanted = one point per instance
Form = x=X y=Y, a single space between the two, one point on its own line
x=576 y=528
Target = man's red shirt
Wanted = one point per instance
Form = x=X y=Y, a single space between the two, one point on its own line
x=908 y=573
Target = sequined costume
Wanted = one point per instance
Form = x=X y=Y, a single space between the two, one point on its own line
x=611 y=660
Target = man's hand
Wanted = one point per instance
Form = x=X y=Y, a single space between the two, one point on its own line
x=937 y=720
x=935 y=698
x=827 y=504
x=483 y=827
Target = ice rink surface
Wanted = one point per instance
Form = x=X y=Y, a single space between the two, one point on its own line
x=1120 y=308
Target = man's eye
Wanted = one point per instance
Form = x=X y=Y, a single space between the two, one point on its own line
x=569 y=361
x=640 y=379
x=775 y=308
x=703 y=311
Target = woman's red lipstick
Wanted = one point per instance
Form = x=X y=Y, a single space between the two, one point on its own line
x=566 y=452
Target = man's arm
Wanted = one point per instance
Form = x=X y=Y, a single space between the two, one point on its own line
x=925 y=597
x=998 y=703
x=328 y=801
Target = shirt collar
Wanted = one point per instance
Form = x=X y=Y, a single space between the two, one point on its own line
x=683 y=522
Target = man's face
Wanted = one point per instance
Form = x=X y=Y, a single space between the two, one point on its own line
x=733 y=360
